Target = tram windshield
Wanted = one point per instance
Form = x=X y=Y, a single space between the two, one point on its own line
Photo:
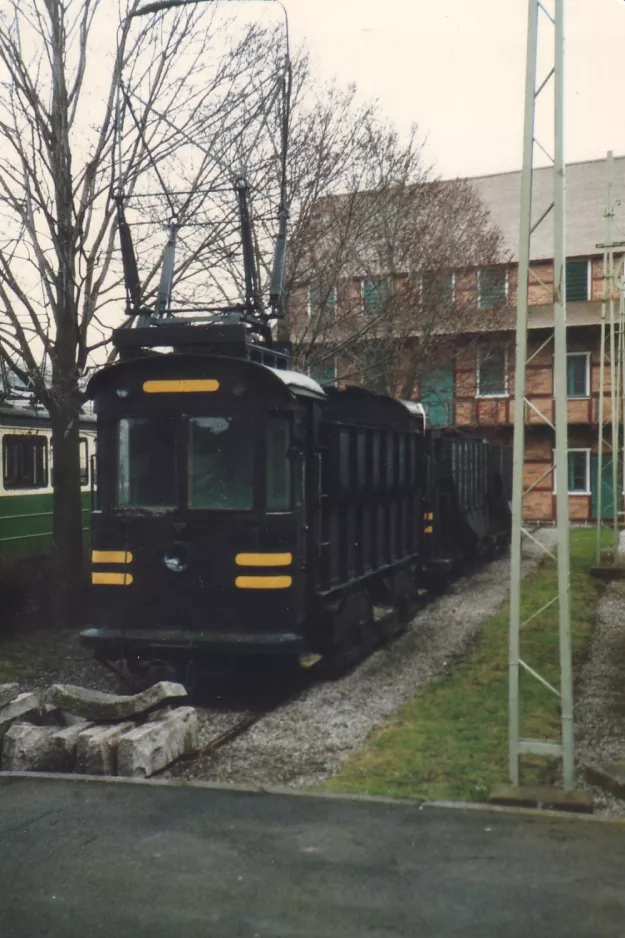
x=221 y=463
x=146 y=463
x=219 y=454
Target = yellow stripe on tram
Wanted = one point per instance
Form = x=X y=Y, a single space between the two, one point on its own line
x=111 y=556
x=111 y=579
x=263 y=582
x=263 y=560
x=181 y=386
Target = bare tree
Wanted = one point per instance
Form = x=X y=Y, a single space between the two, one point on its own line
x=384 y=258
x=61 y=287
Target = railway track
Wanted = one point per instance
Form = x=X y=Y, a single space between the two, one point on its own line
x=241 y=723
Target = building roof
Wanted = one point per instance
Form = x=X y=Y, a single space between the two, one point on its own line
x=585 y=207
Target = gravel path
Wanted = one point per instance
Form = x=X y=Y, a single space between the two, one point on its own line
x=307 y=740
x=600 y=696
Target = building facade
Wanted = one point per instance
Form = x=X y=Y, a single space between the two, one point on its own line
x=471 y=386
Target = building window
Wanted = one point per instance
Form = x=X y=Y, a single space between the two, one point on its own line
x=24 y=461
x=492 y=373
x=492 y=287
x=321 y=300
x=437 y=287
x=374 y=296
x=579 y=471
x=578 y=374
x=577 y=280
x=84 y=461
x=324 y=372
x=278 y=475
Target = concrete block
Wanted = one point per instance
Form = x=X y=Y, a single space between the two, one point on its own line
x=22 y=708
x=555 y=799
x=610 y=777
x=27 y=748
x=8 y=692
x=150 y=748
x=64 y=745
x=70 y=719
x=107 y=708
x=96 y=749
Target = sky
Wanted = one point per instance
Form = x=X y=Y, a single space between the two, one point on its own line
x=457 y=70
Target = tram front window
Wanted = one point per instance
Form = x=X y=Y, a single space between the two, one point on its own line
x=221 y=464
x=146 y=463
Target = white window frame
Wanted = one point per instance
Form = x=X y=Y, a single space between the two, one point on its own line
x=333 y=293
x=480 y=359
x=575 y=449
x=506 y=286
x=585 y=396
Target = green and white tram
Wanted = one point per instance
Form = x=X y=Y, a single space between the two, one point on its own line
x=26 y=482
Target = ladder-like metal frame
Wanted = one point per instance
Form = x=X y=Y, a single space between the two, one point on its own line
x=611 y=358
x=519 y=746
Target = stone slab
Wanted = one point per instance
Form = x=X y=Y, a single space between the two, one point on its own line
x=102 y=707
x=152 y=747
x=556 y=799
x=27 y=748
x=8 y=692
x=22 y=708
x=64 y=745
x=610 y=777
x=70 y=719
x=96 y=748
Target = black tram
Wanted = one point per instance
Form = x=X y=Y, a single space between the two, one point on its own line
x=240 y=507
x=243 y=509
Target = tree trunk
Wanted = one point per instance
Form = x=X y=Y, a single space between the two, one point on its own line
x=68 y=587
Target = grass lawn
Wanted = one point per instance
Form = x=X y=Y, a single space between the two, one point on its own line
x=450 y=741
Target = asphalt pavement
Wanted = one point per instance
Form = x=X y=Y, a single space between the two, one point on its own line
x=122 y=860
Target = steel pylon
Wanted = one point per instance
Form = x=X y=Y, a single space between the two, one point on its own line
x=540 y=19
x=612 y=366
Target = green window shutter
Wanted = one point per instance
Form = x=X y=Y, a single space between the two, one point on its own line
x=576 y=280
x=374 y=296
x=323 y=373
x=492 y=287
x=577 y=376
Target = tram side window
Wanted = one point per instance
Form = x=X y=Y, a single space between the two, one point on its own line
x=278 y=464
x=146 y=463
x=84 y=461
x=221 y=463
x=24 y=462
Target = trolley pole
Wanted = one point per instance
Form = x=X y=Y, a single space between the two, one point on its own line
x=540 y=17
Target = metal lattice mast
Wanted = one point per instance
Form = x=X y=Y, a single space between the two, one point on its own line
x=603 y=358
x=612 y=364
x=538 y=18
